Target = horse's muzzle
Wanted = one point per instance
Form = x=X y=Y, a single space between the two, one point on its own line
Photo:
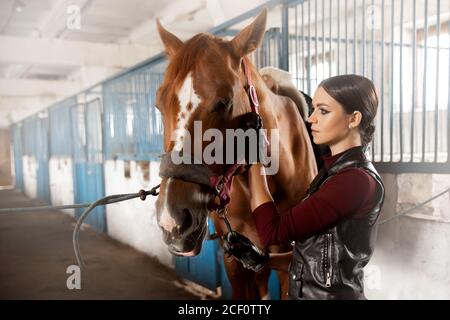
x=181 y=213
x=187 y=246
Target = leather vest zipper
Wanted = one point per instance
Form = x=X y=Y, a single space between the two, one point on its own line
x=328 y=270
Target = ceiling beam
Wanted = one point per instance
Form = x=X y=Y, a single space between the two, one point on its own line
x=35 y=88
x=57 y=52
x=14 y=109
x=170 y=15
x=216 y=12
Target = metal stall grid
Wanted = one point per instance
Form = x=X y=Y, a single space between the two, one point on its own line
x=88 y=157
x=36 y=146
x=403 y=47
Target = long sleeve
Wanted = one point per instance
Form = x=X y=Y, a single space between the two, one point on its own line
x=350 y=192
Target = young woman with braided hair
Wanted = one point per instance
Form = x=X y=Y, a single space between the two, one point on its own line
x=333 y=229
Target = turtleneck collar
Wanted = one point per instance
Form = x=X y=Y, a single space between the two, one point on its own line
x=329 y=159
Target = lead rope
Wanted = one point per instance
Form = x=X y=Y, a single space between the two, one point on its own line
x=142 y=194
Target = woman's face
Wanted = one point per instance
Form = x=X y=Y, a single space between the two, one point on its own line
x=329 y=121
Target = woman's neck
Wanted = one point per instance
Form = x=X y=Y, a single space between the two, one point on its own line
x=345 y=144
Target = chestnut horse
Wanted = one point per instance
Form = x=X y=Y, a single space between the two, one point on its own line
x=205 y=81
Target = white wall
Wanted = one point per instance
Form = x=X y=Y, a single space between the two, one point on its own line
x=29 y=167
x=412 y=254
x=134 y=222
x=61 y=182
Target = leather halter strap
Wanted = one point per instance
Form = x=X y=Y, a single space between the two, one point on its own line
x=253 y=97
x=224 y=182
x=254 y=103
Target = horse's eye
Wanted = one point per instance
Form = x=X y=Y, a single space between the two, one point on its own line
x=222 y=105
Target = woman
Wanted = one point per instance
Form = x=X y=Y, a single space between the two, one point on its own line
x=333 y=228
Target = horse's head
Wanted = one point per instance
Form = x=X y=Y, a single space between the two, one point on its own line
x=203 y=89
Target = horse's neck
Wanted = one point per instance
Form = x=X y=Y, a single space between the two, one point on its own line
x=296 y=160
x=272 y=106
x=280 y=82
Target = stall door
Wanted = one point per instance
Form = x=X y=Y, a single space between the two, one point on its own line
x=89 y=179
x=18 y=153
x=42 y=156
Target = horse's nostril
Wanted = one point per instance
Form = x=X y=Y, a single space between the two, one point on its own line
x=187 y=220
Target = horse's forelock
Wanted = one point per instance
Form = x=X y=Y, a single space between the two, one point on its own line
x=191 y=54
x=202 y=52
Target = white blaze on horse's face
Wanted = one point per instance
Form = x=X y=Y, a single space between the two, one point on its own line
x=166 y=221
x=187 y=97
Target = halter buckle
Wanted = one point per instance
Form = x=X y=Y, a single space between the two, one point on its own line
x=253 y=95
x=219 y=184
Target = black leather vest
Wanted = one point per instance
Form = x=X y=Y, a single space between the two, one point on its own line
x=329 y=265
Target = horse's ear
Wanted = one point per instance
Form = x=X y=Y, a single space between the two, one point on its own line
x=170 y=41
x=250 y=37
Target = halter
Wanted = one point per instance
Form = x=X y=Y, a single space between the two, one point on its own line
x=220 y=185
x=254 y=103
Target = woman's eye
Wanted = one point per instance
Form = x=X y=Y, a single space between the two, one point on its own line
x=323 y=111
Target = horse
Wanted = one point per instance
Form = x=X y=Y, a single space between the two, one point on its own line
x=206 y=80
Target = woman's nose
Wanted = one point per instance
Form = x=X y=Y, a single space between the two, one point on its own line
x=312 y=118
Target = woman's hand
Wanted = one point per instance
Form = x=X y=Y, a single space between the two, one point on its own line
x=258 y=186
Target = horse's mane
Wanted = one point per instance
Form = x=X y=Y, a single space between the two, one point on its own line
x=280 y=82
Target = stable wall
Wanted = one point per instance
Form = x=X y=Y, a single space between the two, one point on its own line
x=412 y=255
x=134 y=222
x=61 y=182
x=29 y=167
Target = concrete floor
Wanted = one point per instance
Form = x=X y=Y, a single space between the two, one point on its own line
x=36 y=249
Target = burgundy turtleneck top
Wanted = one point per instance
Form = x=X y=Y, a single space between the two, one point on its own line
x=350 y=192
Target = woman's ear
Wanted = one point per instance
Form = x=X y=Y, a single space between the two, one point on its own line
x=355 y=119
